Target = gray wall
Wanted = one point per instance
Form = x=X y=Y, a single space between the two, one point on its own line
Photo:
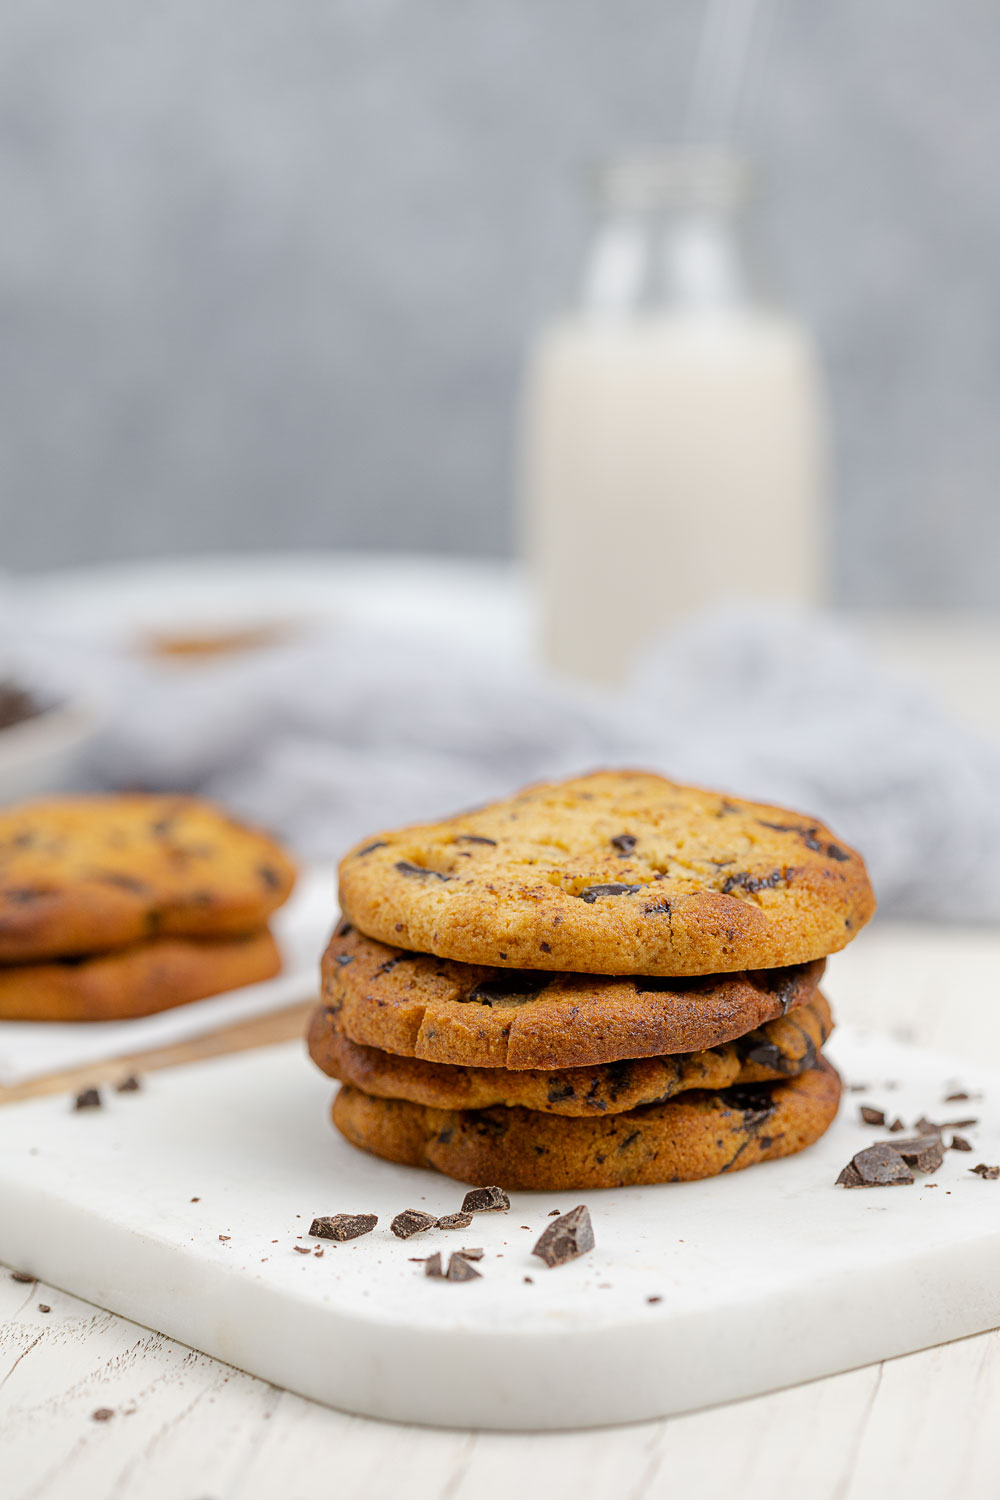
x=267 y=269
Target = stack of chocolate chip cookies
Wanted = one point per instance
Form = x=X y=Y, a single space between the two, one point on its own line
x=120 y=906
x=609 y=980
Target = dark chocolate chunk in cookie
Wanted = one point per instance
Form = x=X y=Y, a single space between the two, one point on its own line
x=511 y=983
x=418 y=872
x=751 y=884
x=614 y=888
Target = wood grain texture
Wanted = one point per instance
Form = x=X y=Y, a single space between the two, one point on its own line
x=184 y=1425
x=263 y=1031
x=188 y=1428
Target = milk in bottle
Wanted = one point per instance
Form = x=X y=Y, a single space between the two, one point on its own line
x=673 y=445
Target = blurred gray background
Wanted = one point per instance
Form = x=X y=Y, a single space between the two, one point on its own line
x=267 y=270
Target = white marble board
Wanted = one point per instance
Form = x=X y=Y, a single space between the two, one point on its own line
x=766 y=1278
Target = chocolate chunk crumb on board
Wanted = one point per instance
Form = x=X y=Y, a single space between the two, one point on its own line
x=343 y=1226
x=876 y=1166
x=410 y=1222
x=569 y=1236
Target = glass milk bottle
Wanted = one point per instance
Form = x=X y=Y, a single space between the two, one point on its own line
x=672 y=443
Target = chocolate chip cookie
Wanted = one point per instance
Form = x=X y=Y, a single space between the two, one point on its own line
x=781 y=1049
x=448 y=1012
x=88 y=874
x=136 y=981
x=618 y=872
x=698 y=1134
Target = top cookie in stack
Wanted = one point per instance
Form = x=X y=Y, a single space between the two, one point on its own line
x=120 y=906
x=706 y=917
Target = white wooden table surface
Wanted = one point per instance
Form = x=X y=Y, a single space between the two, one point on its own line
x=187 y=1428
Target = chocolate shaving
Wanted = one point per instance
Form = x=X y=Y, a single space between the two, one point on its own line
x=455 y=1221
x=872 y=1116
x=459 y=1269
x=342 y=1226
x=925 y=1152
x=956 y=1096
x=485 y=1200
x=982 y=1170
x=566 y=1238
x=410 y=1222
x=877 y=1166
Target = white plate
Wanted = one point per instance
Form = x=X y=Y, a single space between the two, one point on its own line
x=179 y=1207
